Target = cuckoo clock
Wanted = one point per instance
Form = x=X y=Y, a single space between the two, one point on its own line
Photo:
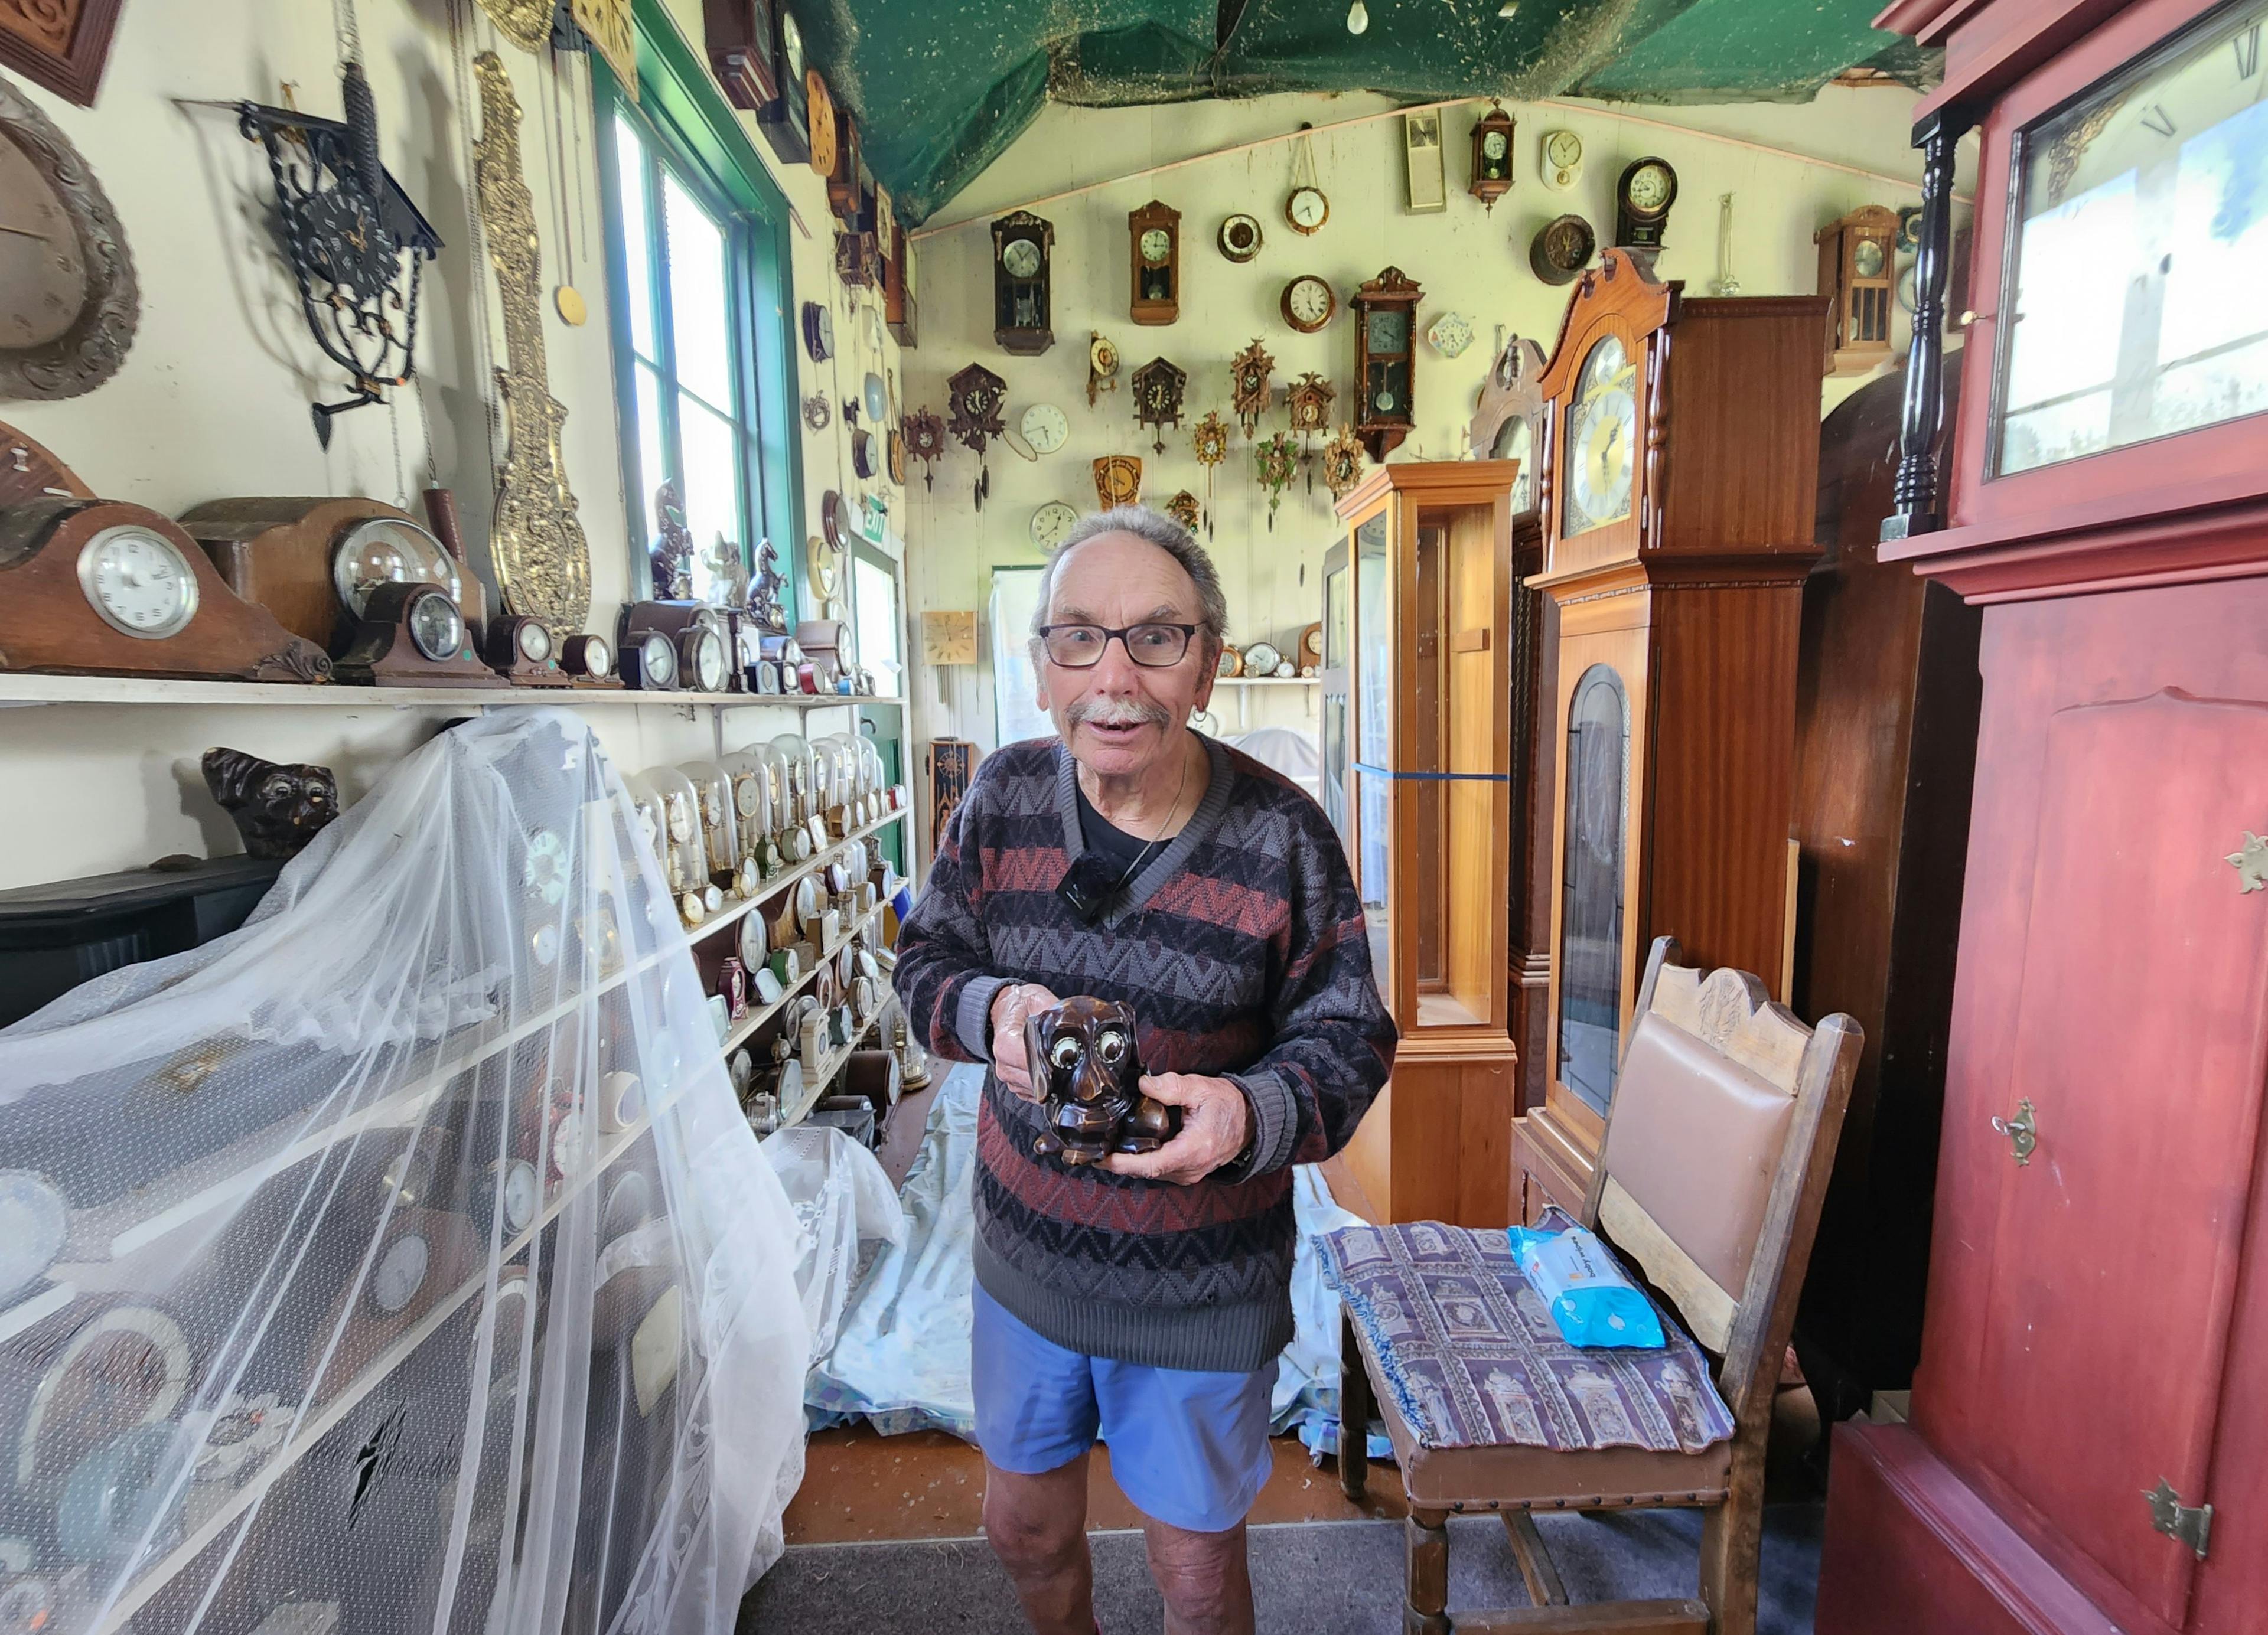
x=1492 y=177
x=1159 y=385
x=1153 y=247
x=1210 y=441
x=858 y=263
x=1249 y=388
x=1023 y=278
x=1385 y=360
x=1857 y=271
x=1309 y=400
x=925 y=441
x=976 y=416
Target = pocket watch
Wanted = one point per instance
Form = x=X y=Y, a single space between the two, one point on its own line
x=1307 y=210
x=1045 y=427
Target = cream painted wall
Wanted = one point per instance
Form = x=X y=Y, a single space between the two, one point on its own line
x=213 y=398
x=1467 y=257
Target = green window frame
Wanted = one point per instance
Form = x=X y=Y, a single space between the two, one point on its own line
x=687 y=134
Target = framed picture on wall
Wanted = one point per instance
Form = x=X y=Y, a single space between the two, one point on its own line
x=1421 y=143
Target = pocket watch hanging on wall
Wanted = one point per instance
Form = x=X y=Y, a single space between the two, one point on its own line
x=1212 y=440
x=1159 y=385
x=70 y=305
x=1248 y=373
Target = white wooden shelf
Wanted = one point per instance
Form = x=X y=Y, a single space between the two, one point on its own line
x=1268 y=681
x=748 y=1026
x=139 y=690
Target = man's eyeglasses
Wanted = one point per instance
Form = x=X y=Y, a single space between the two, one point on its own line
x=1152 y=646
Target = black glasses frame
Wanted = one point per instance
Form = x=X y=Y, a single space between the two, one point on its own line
x=1189 y=635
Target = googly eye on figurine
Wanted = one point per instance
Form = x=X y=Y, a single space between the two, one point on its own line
x=1093 y=1102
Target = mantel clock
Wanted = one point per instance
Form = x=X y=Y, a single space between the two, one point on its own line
x=1153 y=249
x=1857 y=272
x=1416 y=774
x=1680 y=455
x=1023 y=279
x=1385 y=360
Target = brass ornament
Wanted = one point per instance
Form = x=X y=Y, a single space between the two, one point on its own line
x=525 y=23
x=542 y=559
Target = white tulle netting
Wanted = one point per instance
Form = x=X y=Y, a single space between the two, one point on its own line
x=401 y=1262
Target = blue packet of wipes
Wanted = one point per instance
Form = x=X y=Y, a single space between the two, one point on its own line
x=1592 y=1301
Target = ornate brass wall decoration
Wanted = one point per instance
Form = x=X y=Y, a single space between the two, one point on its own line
x=543 y=561
x=525 y=23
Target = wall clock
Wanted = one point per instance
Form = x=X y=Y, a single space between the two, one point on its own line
x=1561 y=249
x=1153 y=235
x=1045 y=427
x=819 y=119
x=1051 y=522
x=1308 y=302
x=1342 y=462
x=1491 y=161
x=1249 y=387
x=949 y=636
x=1559 y=166
x=1158 y=386
x=1023 y=277
x=925 y=441
x=1308 y=400
x=100 y=587
x=1101 y=365
x=975 y=417
x=1451 y=334
x=1648 y=187
x=1856 y=271
x=837 y=529
x=818 y=330
x=785 y=118
x=1183 y=508
x=1307 y=210
x=738 y=35
x=1117 y=480
x=896 y=457
x=846 y=183
x=1240 y=239
x=1386 y=360
x=1509 y=415
x=69 y=301
x=862 y=454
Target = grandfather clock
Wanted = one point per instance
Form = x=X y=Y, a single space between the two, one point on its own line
x=2083 y=1450
x=1680 y=462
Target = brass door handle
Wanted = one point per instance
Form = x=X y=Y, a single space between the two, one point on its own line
x=2022 y=1131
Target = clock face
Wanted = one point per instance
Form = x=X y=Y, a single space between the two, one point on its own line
x=1867 y=259
x=1451 y=334
x=1021 y=258
x=1306 y=209
x=1602 y=436
x=2139 y=223
x=400 y=1273
x=522 y=1192
x=1494 y=145
x=534 y=642
x=1157 y=244
x=138 y=582
x=1650 y=188
x=1045 y=428
x=1240 y=237
x=1050 y=523
x=1515 y=441
x=791 y=42
x=1562 y=150
x=658 y=660
x=437 y=630
x=1388 y=329
x=1310 y=301
x=598 y=656
x=43 y=284
x=1157 y=397
x=708 y=661
x=977 y=402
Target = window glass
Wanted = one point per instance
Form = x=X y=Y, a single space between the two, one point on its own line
x=1596 y=782
x=699 y=321
x=1016 y=712
x=635 y=237
x=710 y=454
x=874 y=601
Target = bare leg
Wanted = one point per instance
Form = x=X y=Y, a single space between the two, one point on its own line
x=1037 y=1527
x=1203 y=1577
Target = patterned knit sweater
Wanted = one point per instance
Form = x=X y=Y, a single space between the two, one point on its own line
x=1240 y=948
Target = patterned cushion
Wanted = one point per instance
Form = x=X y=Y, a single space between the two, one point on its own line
x=1472 y=1357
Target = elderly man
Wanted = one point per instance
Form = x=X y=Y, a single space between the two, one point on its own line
x=1145 y=1299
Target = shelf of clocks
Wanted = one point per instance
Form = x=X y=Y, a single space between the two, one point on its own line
x=124 y=690
x=831 y=1066
x=214 y=1522
x=117 y=1230
x=752 y=1024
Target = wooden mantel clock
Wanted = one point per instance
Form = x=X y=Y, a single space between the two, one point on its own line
x=1680 y=460
x=2089 y=1411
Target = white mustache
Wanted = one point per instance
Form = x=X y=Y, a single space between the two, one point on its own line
x=1118 y=712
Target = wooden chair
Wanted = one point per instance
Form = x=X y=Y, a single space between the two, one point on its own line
x=1717 y=1152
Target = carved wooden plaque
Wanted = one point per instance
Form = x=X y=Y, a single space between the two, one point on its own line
x=60 y=44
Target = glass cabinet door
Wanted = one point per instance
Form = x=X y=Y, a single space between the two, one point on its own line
x=1374 y=782
x=1596 y=777
x=1338 y=638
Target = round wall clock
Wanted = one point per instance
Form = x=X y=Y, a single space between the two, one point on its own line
x=824 y=558
x=69 y=301
x=1307 y=210
x=1561 y=249
x=1240 y=237
x=862 y=454
x=1308 y=303
x=820 y=122
x=877 y=398
x=1045 y=427
x=1050 y=523
x=1562 y=166
x=818 y=330
x=1451 y=334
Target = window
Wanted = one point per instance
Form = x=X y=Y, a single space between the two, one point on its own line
x=697 y=265
x=874 y=604
x=1016 y=712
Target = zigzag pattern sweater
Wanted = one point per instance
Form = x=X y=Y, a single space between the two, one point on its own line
x=1241 y=947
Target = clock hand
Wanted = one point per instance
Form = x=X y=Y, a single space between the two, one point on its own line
x=25 y=232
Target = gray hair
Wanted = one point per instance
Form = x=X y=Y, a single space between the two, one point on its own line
x=1144 y=522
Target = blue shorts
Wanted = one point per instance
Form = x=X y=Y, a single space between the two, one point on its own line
x=1189 y=1448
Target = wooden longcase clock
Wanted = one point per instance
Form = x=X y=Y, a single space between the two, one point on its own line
x=1154 y=249
x=1680 y=465
x=1023 y=279
x=1385 y=360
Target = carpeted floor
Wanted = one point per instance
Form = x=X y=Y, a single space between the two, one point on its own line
x=1341 y=1576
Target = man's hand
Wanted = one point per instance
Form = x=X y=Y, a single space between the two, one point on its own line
x=1215 y=1120
x=1010 y=1006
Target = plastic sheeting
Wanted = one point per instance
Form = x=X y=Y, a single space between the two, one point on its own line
x=400 y=1262
x=901 y=1361
x=842 y=1201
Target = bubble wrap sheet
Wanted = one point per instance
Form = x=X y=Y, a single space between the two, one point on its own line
x=400 y=1262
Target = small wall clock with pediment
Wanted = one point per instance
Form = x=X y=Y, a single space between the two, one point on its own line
x=1386 y=360
x=1023 y=279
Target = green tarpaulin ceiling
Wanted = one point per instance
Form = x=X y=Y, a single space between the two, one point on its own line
x=940 y=87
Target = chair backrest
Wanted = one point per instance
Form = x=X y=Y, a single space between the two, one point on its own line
x=1717 y=1152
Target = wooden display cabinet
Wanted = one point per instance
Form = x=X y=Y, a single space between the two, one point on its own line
x=1679 y=463
x=2083 y=1453
x=1419 y=730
